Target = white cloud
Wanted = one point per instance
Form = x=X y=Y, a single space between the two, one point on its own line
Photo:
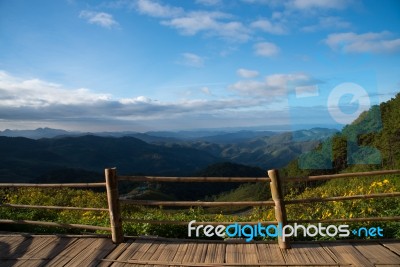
x=328 y=23
x=27 y=103
x=155 y=9
x=275 y=85
x=211 y=23
x=209 y=2
x=304 y=5
x=245 y=73
x=100 y=18
x=135 y=100
x=266 y=49
x=271 y=3
x=206 y=90
x=318 y=4
x=192 y=60
x=16 y=92
x=370 y=42
x=37 y=100
x=268 y=26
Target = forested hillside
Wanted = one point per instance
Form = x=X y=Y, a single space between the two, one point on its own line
x=371 y=142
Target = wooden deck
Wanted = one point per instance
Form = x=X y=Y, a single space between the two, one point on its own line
x=50 y=250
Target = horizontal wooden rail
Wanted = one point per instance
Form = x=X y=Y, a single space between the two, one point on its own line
x=327 y=199
x=53 y=185
x=62 y=225
x=368 y=219
x=193 y=179
x=340 y=175
x=196 y=203
x=196 y=223
x=51 y=207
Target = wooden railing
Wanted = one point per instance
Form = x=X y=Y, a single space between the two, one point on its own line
x=276 y=186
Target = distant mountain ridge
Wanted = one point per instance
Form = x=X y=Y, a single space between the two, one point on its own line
x=23 y=159
x=269 y=150
x=35 y=134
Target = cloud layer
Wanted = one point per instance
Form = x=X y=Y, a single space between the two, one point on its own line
x=38 y=102
x=99 y=18
x=371 y=42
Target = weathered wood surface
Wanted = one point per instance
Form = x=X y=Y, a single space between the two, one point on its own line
x=42 y=250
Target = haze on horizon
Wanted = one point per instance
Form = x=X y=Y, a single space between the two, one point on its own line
x=141 y=65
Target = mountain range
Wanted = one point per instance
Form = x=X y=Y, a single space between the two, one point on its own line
x=25 y=159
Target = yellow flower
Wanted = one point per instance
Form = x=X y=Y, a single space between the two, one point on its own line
x=386 y=181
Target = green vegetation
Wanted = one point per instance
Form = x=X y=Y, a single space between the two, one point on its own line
x=379 y=133
x=87 y=198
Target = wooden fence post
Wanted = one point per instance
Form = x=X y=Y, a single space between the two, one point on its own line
x=280 y=210
x=113 y=205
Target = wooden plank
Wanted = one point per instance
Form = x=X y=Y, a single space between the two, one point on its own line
x=92 y=255
x=12 y=249
x=340 y=175
x=168 y=252
x=144 y=246
x=294 y=256
x=377 y=254
x=328 y=199
x=19 y=249
x=249 y=253
x=127 y=254
x=269 y=253
x=50 y=207
x=147 y=254
x=35 y=250
x=83 y=253
x=40 y=254
x=367 y=219
x=56 y=247
x=190 y=253
x=180 y=253
x=215 y=253
x=70 y=252
x=231 y=253
x=157 y=253
x=220 y=253
x=346 y=253
x=199 y=253
x=114 y=254
x=393 y=246
x=317 y=254
x=196 y=223
x=10 y=244
x=197 y=203
x=53 y=185
x=194 y=179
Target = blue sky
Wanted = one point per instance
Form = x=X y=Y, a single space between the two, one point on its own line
x=145 y=65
